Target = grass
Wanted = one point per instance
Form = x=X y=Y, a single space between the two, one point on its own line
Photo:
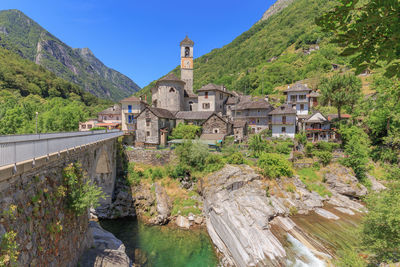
x=378 y=171
x=184 y=206
x=313 y=181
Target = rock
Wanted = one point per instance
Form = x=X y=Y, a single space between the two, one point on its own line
x=341 y=180
x=326 y=214
x=163 y=205
x=140 y=257
x=375 y=185
x=345 y=202
x=106 y=250
x=344 y=210
x=191 y=217
x=182 y=222
x=198 y=220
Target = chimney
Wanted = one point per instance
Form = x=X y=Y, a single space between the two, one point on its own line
x=267 y=98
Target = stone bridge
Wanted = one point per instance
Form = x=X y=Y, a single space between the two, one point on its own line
x=30 y=178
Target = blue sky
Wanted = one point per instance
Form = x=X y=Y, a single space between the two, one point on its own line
x=141 y=38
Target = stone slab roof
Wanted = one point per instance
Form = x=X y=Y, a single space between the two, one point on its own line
x=213 y=87
x=170 y=77
x=131 y=99
x=114 y=110
x=193 y=115
x=232 y=100
x=317 y=118
x=252 y=103
x=239 y=124
x=186 y=41
x=298 y=87
x=160 y=112
x=284 y=109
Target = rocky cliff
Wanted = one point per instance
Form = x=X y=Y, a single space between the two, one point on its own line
x=251 y=219
x=24 y=36
x=278 y=6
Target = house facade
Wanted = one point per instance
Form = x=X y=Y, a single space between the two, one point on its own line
x=153 y=127
x=216 y=128
x=130 y=109
x=87 y=125
x=240 y=130
x=212 y=97
x=297 y=96
x=283 y=121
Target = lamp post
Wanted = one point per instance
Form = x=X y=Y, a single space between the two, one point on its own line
x=37 y=113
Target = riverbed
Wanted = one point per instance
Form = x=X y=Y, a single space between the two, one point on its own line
x=156 y=246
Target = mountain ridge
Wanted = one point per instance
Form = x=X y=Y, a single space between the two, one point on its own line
x=22 y=35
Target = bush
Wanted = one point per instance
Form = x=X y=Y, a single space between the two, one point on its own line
x=326 y=146
x=236 y=158
x=324 y=157
x=214 y=162
x=81 y=193
x=297 y=155
x=274 y=165
x=316 y=166
x=192 y=154
x=301 y=138
x=309 y=150
x=180 y=171
x=156 y=174
x=98 y=128
x=9 y=249
x=257 y=145
x=284 y=147
x=185 y=131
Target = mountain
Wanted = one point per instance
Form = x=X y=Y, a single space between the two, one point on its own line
x=284 y=47
x=25 y=37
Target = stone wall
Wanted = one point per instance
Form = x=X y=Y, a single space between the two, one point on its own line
x=33 y=205
x=150 y=157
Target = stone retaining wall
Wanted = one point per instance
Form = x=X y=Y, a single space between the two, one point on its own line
x=150 y=156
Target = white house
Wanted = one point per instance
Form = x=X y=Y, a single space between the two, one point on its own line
x=298 y=97
x=283 y=121
x=131 y=107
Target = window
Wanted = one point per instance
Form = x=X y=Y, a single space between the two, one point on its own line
x=283 y=129
x=155 y=103
x=190 y=105
x=215 y=130
x=302 y=97
x=206 y=105
x=147 y=133
x=104 y=117
x=117 y=118
x=90 y=126
x=83 y=126
x=293 y=98
x=111 y=116
x=172 y=90
x=205 y=94
x=221 y=96
x=283 y=120
x=148 y=122
x=301 y=107
x=130 y=119
x=187 y=52
x=258 y=111
x=220 y=106
x=258 y=120
x=129 y=108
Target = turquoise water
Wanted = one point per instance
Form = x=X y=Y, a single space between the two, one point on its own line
x=163 y=246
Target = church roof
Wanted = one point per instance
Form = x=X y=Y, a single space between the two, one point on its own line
x=187 y=41
x=171 y=77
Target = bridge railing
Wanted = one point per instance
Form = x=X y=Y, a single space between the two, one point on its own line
x=18 y=148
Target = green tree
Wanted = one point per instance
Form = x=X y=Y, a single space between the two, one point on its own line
x=381 y=225
x=185 y=131
x=341 y=91
x=368 y=30
x=257 y=145
x=274 y=165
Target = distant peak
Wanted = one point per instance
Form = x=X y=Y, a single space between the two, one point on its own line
x=85 y=51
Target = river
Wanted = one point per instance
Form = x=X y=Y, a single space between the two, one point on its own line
x=156 y=246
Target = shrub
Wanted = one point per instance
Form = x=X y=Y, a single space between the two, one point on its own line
x=98 y=128
x=236 y=158
x=326 y=146
x=81 y=193
x=324 y=157
x=9 y=249
x=180 y=171
x=185 y=131
x=257 y=145
x=309 y=149
x=156 y=174
x=297 y=155
x=284 y=147
x=316 y=166
x=274 y=165
x=214 y=162
x=192 y=154
x=133 y=177
x=301 y=138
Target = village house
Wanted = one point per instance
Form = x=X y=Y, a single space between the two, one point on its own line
x=283 y=121
x=153 y=127
x=239 y=130
x=216 y=128
x=110 y=118
x=131 y=107
x=88 y=125
x=255 y=111
x=213 y=97
x=318 y=128
x=298 y=98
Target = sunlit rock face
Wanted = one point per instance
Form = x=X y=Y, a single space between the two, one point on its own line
x=251 y=228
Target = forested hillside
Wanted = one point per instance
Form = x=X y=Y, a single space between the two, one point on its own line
x=24 y=36
x=273 y=52
x=27 y=88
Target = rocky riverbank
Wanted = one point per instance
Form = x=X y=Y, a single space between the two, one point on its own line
x=241 y=207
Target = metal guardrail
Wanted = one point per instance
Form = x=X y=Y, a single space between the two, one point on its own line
x=18 y=148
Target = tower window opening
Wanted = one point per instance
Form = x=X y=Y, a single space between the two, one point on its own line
x=187 y=52
x=172 y=90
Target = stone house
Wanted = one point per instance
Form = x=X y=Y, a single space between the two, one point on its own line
x=212 y=97
x=192 y=117
x=318 y=128
x=283 y=121
x=153 y=127
x=255 y=111
x=110 y=118
x=131 y=108
x=168 y=93
x=216 y=128
x=240 y=130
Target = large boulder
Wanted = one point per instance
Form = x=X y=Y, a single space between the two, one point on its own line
x=182 y=222
x=342 y=181
x=163 y=205
x=106 y=250
x=375 y=185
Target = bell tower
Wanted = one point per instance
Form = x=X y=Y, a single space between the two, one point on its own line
x=187 y=63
